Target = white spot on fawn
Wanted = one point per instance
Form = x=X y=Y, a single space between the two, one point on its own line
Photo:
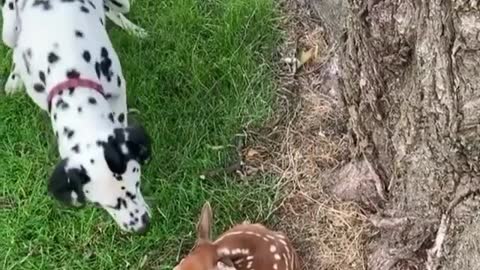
x=239 y=261
x=273 y=248
x=224 y=251
x=249 y=258
x=277 y=257
x=249 y=265
x=275 y=266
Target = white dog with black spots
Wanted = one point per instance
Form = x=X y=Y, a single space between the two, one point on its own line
x=63 y=56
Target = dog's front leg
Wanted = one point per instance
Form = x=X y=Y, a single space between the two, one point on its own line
x=14 y=82
x=120 y=20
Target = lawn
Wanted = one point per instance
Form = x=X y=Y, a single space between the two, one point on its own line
x=202 y=75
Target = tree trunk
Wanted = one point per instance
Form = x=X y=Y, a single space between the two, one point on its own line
x=410 y=79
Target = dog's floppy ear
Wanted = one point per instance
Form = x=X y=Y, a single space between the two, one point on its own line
x=138 y=142
x=134 y=143
x=65 y=185
x=116 y=160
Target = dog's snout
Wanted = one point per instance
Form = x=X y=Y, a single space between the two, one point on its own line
x=145 y=224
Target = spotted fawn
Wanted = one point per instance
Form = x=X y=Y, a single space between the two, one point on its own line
x=243 y=247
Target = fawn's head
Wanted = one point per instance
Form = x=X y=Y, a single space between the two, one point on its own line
x=204 y=256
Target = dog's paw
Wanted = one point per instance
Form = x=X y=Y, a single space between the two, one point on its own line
x=13 y=84
x=138 y=32
x=135 y=30
x=131 y=28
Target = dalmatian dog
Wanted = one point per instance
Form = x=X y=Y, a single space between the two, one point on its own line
x=63 y=54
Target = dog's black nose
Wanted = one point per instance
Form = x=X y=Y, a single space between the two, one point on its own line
x=145 y=224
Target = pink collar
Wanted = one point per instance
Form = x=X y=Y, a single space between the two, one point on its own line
x=72 y=83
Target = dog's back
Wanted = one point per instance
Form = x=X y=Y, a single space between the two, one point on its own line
x=64 y=38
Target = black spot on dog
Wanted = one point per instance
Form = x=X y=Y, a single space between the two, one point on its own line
x=108 y=96
x=104 y=52
x=110 y=116
x=105 y=64
x=121 y=117
x=68 y=132
x=79 y=109
x=39 y=87
x=41 y=74
x=97 y=69
x=71 y=90
x=137 y=184
x=11 y=6
x=53 y=58
x=130 y=195
x=48 y=70
x=106 y=8
x=45 y=4
x=136 y=220
x=101 y=22
x=92 y=161
x=68 y=1
x=116 y=3
x=84 y=9
x=55 y=116
x=131 y=215
x=79 y=34
x=132 y=223
x=119 y=81
x=120 y=202
x=73 y=74
x=92 y=100
x=123 y=188
x=136 y=211
x=26 y=62
x=92 y=5
x=56 y=134
x=76 y=148
x=86 y=56
x=118 y=177
x=62 y=104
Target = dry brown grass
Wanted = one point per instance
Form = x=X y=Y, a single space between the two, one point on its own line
x=303 y=145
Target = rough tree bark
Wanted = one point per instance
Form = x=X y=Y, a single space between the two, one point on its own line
x=410 y=82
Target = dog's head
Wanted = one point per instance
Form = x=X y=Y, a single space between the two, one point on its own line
x=108 y=174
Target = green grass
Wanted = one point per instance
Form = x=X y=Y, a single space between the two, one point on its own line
x=197 y=80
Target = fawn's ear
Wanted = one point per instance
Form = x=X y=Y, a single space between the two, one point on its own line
x=204 y=226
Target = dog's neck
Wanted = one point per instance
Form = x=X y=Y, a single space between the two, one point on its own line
x=80 y=118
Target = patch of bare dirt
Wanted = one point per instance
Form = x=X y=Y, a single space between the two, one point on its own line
x=306 y=144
